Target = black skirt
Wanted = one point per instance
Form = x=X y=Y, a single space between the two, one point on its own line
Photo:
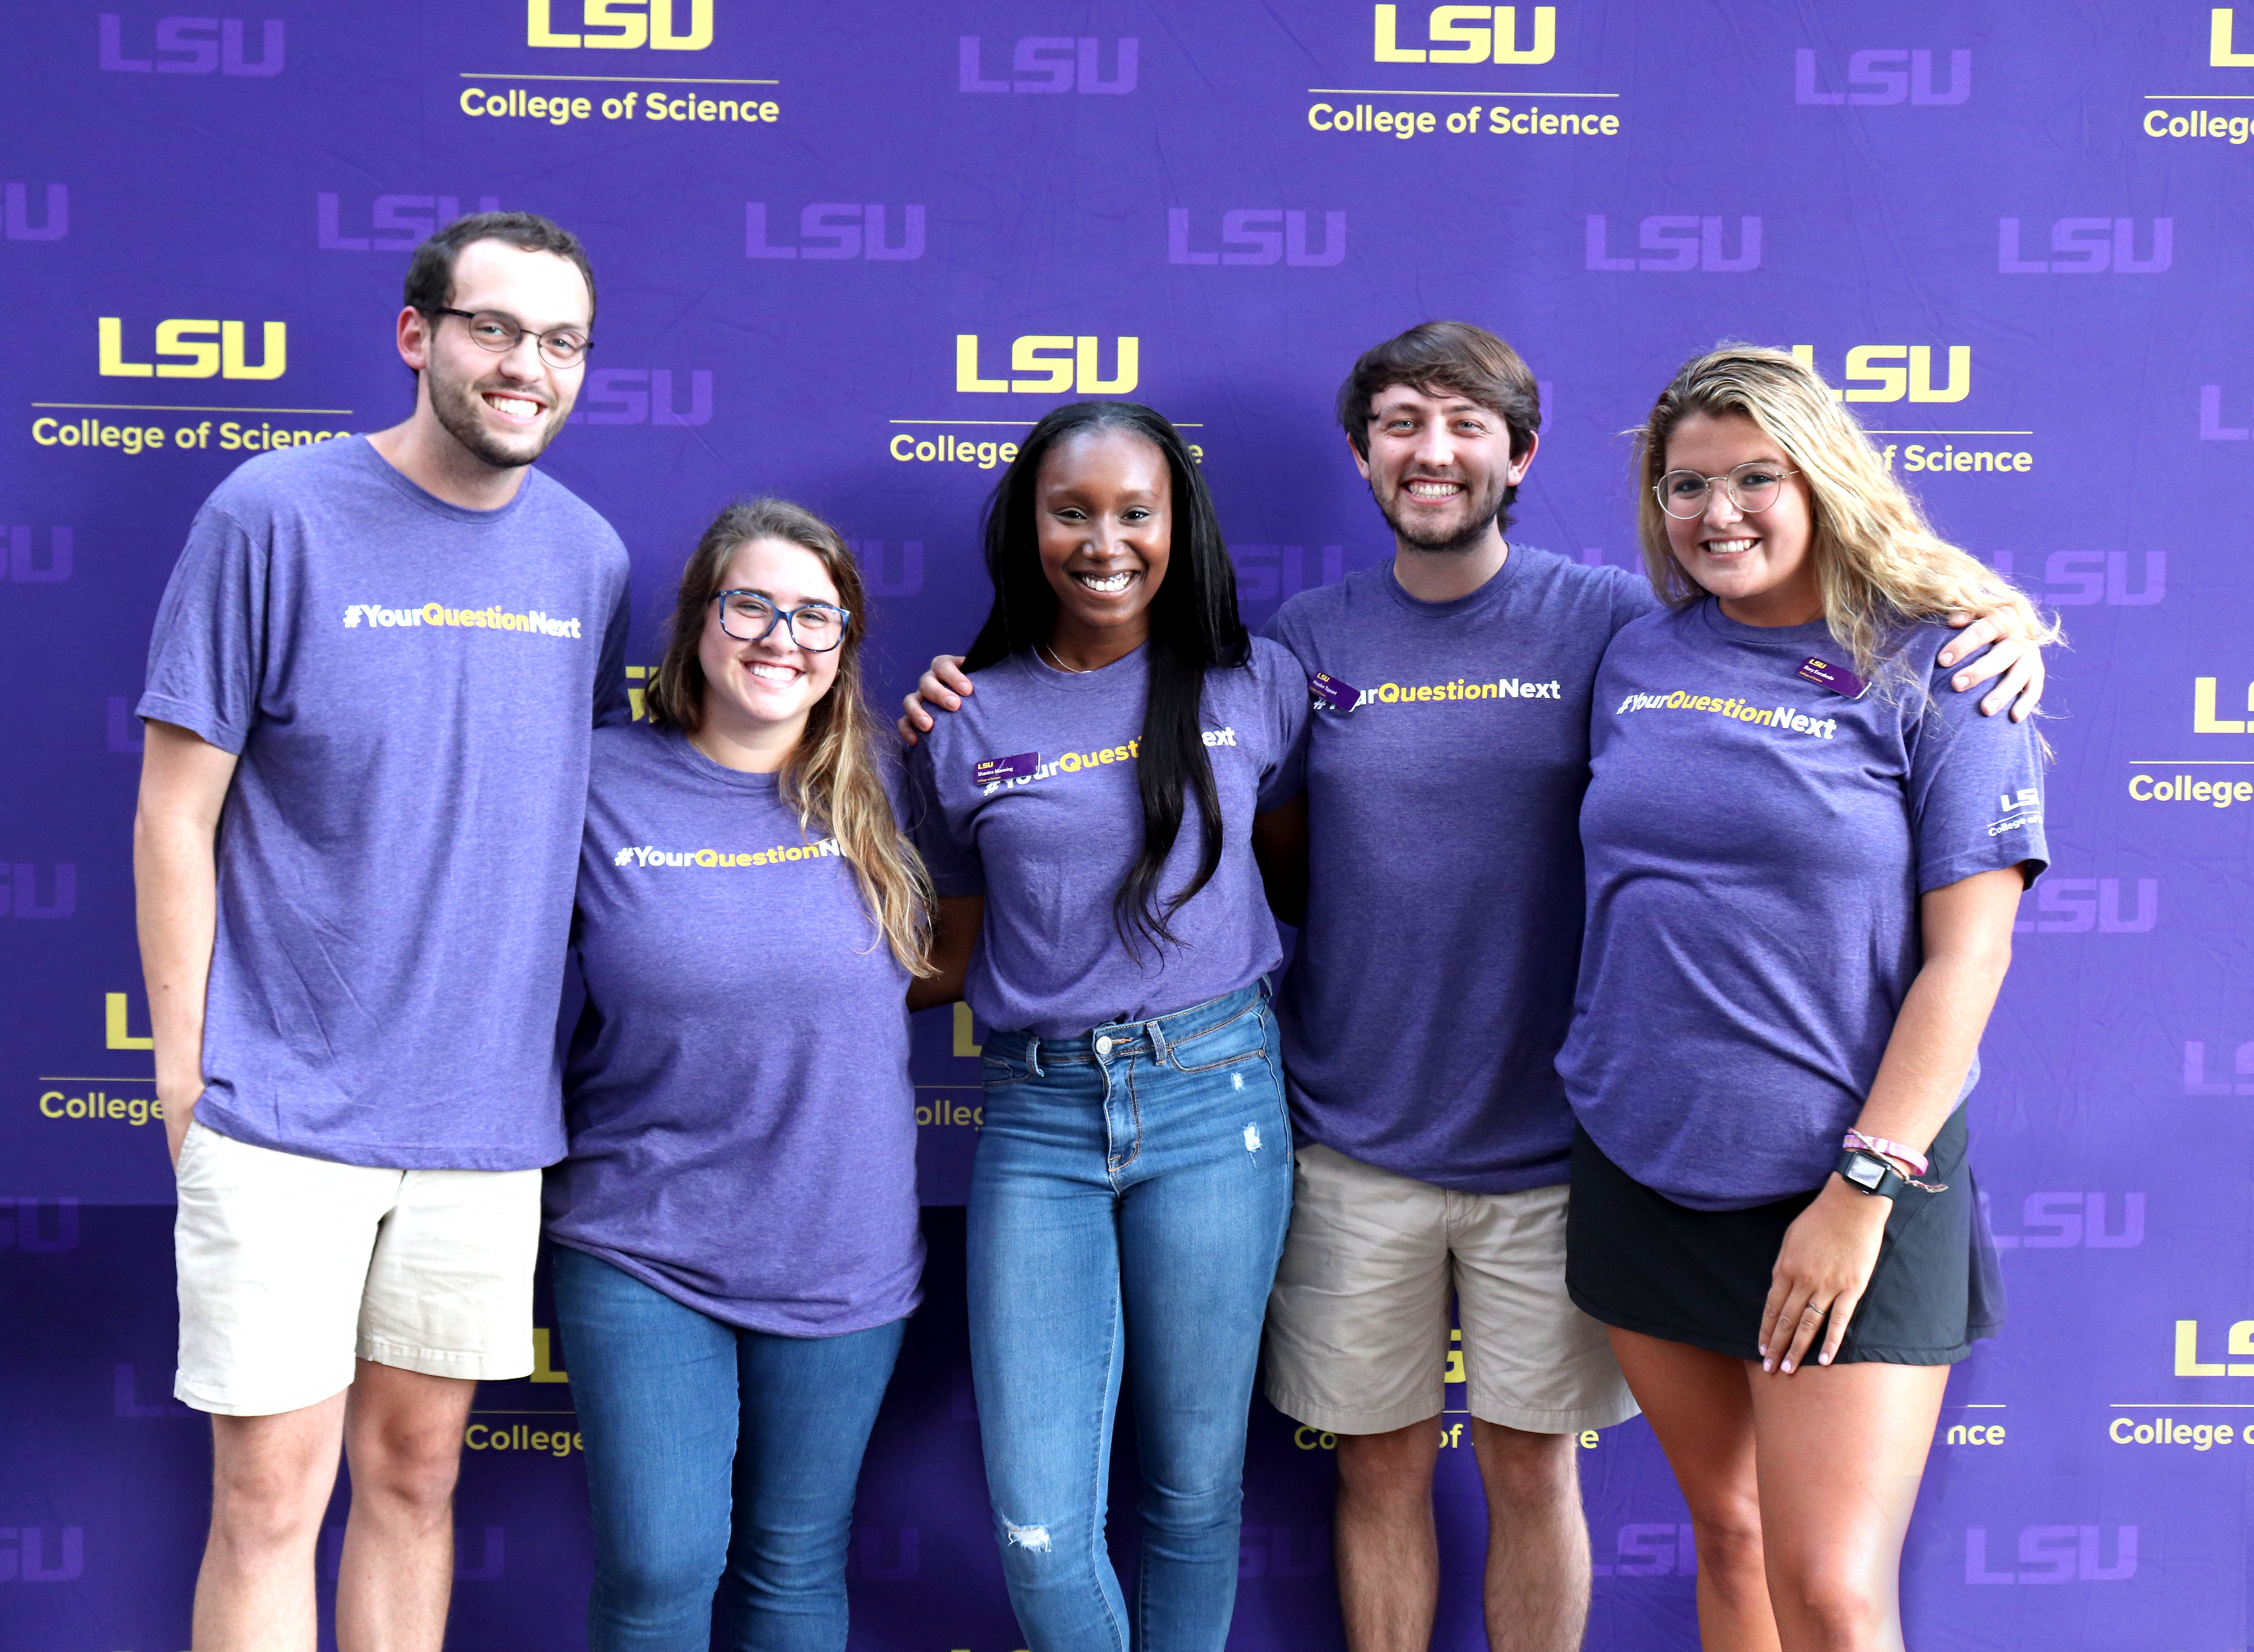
x=1640 y=1261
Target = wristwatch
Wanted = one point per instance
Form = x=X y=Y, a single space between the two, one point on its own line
x=1868 y=1173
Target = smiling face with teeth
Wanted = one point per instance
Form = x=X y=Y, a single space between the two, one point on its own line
x=1761 y=566
x=503 y=409
x=1438 y=466
x=757 y=695
x=1104 y=508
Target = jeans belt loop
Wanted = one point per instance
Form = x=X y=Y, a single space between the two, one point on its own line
x=1156 y=1032
x=1033 y=1055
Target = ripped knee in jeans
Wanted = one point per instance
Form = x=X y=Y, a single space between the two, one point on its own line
x=1033 y=1539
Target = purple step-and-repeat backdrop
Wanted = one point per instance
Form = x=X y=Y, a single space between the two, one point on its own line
x=848 y=256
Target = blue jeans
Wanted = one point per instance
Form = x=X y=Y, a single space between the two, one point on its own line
x=1128 y=1206
x=711 y=1449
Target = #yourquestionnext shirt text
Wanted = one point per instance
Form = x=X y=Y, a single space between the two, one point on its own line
x=1757 y=844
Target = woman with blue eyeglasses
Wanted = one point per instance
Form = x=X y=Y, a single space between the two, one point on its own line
x=735 y=1224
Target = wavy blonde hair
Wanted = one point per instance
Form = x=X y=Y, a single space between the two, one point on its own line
x=831 y=778
x=1879 y=563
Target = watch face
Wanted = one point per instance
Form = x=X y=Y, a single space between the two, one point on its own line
x=1867 y=1173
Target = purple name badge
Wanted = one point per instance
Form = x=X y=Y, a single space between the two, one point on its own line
x=993 y=770
x=1837 y=678
x=1328 y=691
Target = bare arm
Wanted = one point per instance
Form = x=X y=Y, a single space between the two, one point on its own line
x=1279 y=843
x=1832 y=1246
x=944 y=685
x=184 y=782
x=953 y=932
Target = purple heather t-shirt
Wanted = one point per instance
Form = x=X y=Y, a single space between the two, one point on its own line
x=1049 y=850
x=743 y=1127
x=1433 y=979
x=410 y=687
x=1757 y=845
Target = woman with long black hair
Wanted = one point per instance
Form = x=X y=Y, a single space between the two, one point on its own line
x=1087 y=818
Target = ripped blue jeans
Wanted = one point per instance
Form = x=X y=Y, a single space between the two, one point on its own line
x=1128 y=1205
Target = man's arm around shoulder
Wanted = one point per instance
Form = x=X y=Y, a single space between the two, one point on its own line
x=184 y=782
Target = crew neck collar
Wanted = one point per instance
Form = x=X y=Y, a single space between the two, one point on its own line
x=684 y=753
x=1128 y=665
x=416 y=494
x=1709 y=610
x=1492 y=590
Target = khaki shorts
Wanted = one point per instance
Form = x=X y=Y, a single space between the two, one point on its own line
x=289 y=1267
x=1358 y=1323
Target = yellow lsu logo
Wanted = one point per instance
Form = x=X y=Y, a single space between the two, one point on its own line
x=212 y=349
x=2219 y=53
x=1872 y=375
x=634 y=27
x=1065 y=363
x=2238 y=1347
x=1470 y=34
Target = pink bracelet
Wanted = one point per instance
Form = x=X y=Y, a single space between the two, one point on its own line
x=1880 y=1146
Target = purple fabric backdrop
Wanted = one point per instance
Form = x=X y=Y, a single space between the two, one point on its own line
x=861 y=247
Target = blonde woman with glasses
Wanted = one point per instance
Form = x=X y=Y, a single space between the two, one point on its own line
x=1803 y=859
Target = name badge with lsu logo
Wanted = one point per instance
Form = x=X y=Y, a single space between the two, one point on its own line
x=1837 y=678
x=992 y=770
x=1328 y=693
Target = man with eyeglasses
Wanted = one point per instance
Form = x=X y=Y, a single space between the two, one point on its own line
x=370 y=694
x=1433 y=865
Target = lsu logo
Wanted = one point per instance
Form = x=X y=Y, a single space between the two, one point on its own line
x=1067 y=364
x=1469 y=34
x=622 y=26
x=193 y=48
x=2077 y=905
x=2203 y=720
x=643 y=395
x=1259 y=236
x=1873 y=375
x=20 y=227
x=837 y=229
x=211 y=349
x=2054 y=1554
x=1886 y=76
x=1677 y=244
x=2083 y=578
x=2238 y=1349
x=1051 y=63
x=412 y=218
x=2211 y=427
x=2221 y=53
x=2094 y=246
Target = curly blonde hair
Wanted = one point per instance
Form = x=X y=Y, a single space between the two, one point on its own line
x=1879 y=563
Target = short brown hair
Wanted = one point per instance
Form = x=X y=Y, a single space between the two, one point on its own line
x=1453 y=356
x=430 y=271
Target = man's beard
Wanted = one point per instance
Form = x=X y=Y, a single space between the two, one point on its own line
x=1483 y=513
x=459 y=407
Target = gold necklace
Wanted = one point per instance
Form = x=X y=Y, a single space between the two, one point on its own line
x=1070 y=670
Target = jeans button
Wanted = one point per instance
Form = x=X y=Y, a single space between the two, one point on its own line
x=1103 y=1046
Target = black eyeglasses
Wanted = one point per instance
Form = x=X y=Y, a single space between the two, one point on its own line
x=491 y=330
x=815 y=627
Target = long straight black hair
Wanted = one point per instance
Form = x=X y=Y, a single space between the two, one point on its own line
x=1195 y=628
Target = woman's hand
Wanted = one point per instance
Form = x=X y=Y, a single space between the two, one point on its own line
x=942 y=686
x=1823 y=1270
x=2011 y=655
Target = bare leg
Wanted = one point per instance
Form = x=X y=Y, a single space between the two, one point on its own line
x=271 y=1477
x=1700 y=1406
x=403 y=1440
x=1537 y=1540
x=1388 y=1551
x=1841 y=1455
